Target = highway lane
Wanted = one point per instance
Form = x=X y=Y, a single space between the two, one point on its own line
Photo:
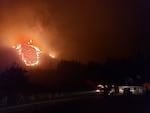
x=40 y=104
x=97 y=104
x=87 y=103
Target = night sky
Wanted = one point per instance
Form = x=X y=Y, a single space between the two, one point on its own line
x=82 y=30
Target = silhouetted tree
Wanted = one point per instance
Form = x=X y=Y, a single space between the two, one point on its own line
x=13 y=79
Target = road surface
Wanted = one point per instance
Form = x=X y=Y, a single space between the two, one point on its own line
x=86 y=103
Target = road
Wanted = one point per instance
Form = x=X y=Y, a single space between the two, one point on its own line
x=86 y=103
x=101 y=105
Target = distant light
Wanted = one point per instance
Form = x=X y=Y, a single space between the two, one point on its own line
x=30 y=41
x=100 y=86
x=120 y=90
x=52 y=56
x=106 y=86
x=98 y=91
x=132 y=90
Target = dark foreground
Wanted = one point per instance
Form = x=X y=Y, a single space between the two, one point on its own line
x=89 y=104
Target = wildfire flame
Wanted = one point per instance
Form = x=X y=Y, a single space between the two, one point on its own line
x=29 y=53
